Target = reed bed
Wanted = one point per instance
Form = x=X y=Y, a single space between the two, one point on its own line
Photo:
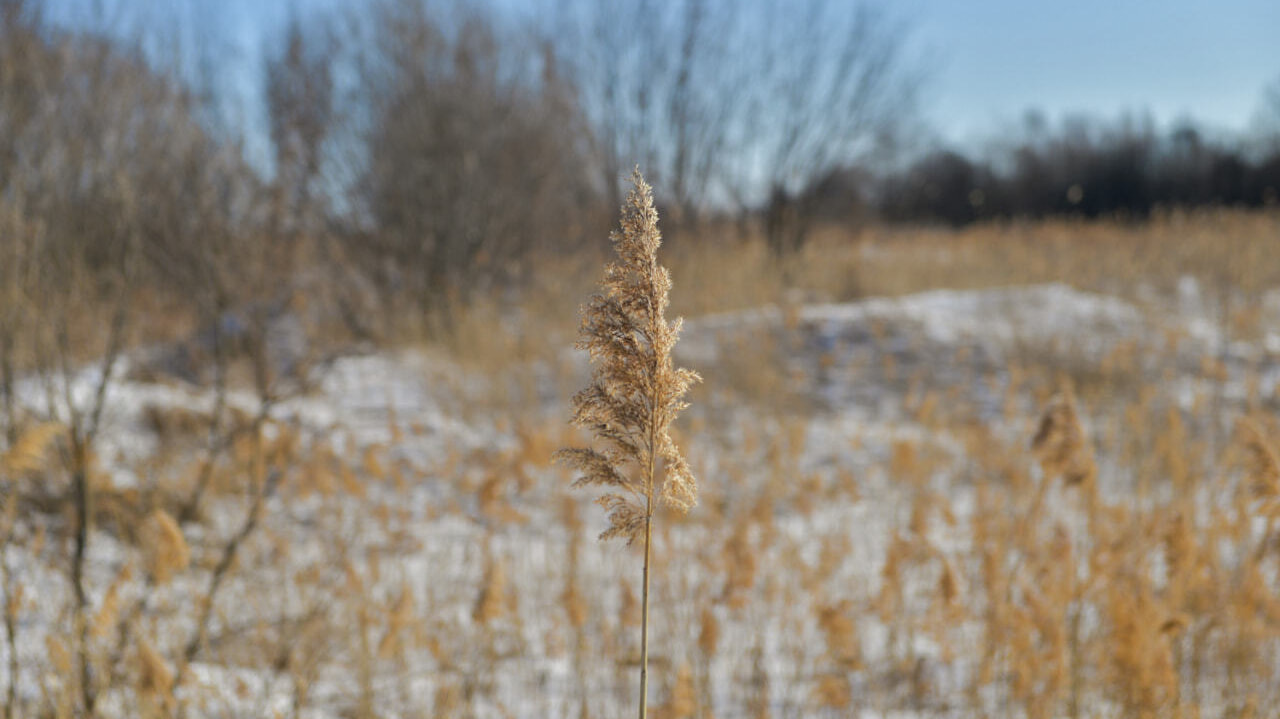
x=1056 y=529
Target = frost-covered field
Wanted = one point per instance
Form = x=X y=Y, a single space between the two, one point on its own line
x=421 y=556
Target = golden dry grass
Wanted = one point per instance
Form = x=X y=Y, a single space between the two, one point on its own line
x=635 y=394
x=1085 y=552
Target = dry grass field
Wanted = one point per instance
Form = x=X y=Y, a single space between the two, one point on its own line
x=1018 y=470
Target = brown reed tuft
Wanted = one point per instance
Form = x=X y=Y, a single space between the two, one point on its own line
x=489 y=604
x=401 y=618
x=739 y=560
x=59 y=654
x=832 y=691
x=709 y=633
x=154 y=676
x=635 y=392
x=1262 y=459
x=109 y=610
x=758 y=686
x=166 y=549
x=837 y=625
x=683 y=703
x=27 y=452
x=575 y=606
x=1060 y=442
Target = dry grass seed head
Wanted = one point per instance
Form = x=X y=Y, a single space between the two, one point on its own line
x=401 y=622
x=105 y=619
x=759 y=695
x=154 y=676
x=709 y=634
x=490 y=604
x=1262 y=459
x=629 y=606
x=1179 y=550
x=166 y=549
x=739 y=559
x=948 y=584
x=59 y=654
x=1060 y=442
x=832 y=691
x=575 y=606
x=837 y=625
x=1144 y=674
x=28 y=450
x=683 y=703
x=635 y=391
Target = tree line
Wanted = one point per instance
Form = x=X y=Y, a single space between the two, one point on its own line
x=425 y=152
x=1086 y=167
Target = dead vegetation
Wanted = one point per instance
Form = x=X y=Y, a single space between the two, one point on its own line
x=1080 y=551
x=1050 y=531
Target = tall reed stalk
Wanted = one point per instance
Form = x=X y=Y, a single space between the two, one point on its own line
x=634 y=395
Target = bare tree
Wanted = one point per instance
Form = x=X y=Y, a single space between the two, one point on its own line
x=732 y=107
x=473 y=151
x=113 y=190
x=836 y=87
x=661 y=84
x=300 y=105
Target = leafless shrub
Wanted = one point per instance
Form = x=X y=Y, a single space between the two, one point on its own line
x=473 y=155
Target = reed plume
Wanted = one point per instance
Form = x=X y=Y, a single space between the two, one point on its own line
x=1262 y=460
x=154 y=676
x=28 y=451
x=1061 y=444
x=635 y=393
x=167 y=552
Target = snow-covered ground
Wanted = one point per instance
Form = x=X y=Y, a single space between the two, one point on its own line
x=429 y=527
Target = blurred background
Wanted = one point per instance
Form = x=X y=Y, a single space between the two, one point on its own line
x=373 y=120
x=985 y=296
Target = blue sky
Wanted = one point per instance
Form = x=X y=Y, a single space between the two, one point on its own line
x=988 y=60
x=992 y=59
